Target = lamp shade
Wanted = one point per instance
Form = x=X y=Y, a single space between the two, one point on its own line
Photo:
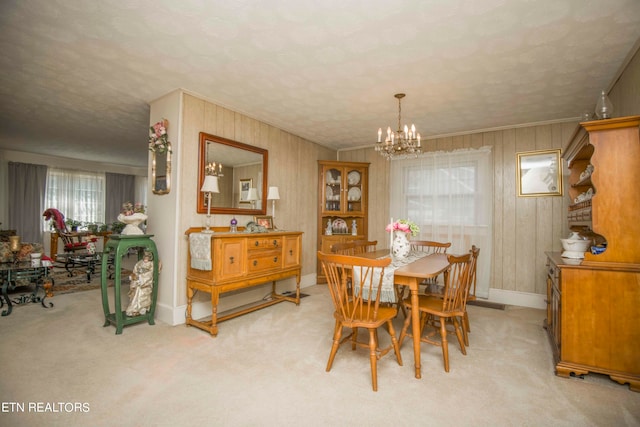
x=210 y=184
x=273 y=194
x=253 y=194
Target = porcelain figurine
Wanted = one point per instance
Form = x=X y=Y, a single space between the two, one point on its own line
x=141 y=286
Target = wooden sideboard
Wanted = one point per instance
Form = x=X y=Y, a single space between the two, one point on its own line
x=243 y=260
x=593 y=315
x=593 y=319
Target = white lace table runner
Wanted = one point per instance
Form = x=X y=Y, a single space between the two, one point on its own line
x=200 y=248
x=388 y=292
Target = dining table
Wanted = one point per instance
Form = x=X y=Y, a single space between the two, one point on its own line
x=411 y=274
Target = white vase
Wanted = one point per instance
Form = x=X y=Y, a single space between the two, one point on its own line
x=400 y=247
x=133 y=223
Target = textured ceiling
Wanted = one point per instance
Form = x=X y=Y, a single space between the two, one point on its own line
x=77 y=76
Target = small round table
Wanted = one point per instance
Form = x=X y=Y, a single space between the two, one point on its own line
x=119 y=245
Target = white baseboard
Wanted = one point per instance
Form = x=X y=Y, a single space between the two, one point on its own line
x=200 y=309
x=522 y=299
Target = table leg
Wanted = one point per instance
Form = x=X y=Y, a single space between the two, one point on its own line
x=5 y=286
x=415 y=325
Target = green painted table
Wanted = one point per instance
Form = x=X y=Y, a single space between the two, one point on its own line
x=118 y=245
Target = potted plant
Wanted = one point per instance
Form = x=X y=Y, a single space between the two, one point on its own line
x=117 y=227
x=72 y=224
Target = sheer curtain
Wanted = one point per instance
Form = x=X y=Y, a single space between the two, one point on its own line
x=26 y=195
x=450 y=196
x=79 y=195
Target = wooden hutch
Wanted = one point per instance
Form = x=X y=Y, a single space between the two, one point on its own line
x=593 y=305
x=342 y=202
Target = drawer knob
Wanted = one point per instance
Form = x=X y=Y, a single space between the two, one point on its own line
x=255 y=262
x=230 y=260
x=291 y=252
x=275 y=259
x=275 y=242
x=257 y=243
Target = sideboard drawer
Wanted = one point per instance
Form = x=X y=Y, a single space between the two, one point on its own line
x=265 y=261
x=259 y=243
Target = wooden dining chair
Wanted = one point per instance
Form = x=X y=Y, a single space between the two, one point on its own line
x=360 y=306
x=430 y=247
x=471 y=293
x=344 y=248
x=363 y=246
x=439 y=310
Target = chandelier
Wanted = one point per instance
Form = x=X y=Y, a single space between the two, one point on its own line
x=401 y=142
x=213 y=168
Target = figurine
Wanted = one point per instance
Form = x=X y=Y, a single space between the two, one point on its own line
x=141 y=286
x=328 y=230
x=354 y=228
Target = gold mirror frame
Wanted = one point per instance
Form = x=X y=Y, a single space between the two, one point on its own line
x=201 y=200
x=161 y=184
x=539 y=173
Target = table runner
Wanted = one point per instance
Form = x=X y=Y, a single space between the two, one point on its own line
x=200 y=247
x=388 y=292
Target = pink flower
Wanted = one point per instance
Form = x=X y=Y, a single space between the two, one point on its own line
x=159 y=129
x=405 y=226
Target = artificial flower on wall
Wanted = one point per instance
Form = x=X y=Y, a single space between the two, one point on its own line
x=158 y=137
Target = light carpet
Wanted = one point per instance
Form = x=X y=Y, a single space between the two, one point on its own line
x=268 y=369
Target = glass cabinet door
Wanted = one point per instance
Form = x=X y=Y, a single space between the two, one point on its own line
x=354 y=190
x=333 y=190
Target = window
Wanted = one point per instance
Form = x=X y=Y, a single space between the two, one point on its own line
x=450 y=196
x=79 y=195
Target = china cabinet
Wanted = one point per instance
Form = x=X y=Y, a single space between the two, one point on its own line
x=593 y=315
x=342 y=204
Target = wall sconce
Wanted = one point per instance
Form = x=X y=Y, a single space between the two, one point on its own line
x=209 y=186
x=274 y=195
x=252 y=196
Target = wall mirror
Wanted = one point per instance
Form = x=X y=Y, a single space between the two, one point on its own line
x=539 y=173
x=161 y=171
x=242 y=176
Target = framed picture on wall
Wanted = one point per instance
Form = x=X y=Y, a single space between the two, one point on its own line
x=245 y=185
x=539 y=173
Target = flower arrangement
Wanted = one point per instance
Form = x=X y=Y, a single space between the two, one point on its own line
x=158 y=138
x=129 y=208
x=404 y=225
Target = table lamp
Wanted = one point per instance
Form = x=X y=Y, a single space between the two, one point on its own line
x=15 y=247
x=209 y=186
x=273 y=195
x=252 y=196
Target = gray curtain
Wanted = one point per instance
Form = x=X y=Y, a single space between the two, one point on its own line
x=27 y=185
x=119 y=188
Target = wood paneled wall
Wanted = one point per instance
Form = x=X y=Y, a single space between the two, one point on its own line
x=292 y=168
x=523 y=227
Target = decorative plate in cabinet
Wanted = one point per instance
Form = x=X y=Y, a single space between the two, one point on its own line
x=353 y=178
x=354 y=194
x=339 y=226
